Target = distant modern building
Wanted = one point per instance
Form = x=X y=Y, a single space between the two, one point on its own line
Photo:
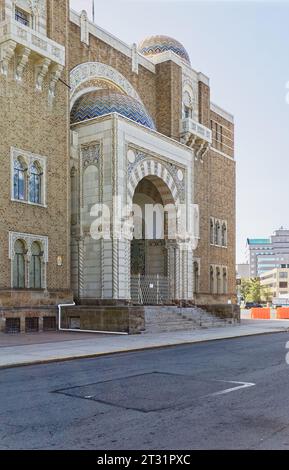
x=276 y=281
x=265 y=254
x=243 y=271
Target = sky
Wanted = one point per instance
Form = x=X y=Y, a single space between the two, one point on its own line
x=243 y=47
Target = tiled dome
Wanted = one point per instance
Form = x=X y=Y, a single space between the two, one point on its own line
x=157 y=44
x=101 y=102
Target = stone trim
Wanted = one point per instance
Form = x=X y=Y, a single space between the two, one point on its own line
x=28 y=238
x=96 y=70
x=112 y=41
x=222 y=112
x=151 y=167
x=214 y=221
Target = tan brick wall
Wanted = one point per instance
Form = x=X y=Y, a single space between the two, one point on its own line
x=169 y=98
x=222 y=206
x=227 y=144
x=29 y=123
x=215 y=181
x=144 y=82
x=204 y=104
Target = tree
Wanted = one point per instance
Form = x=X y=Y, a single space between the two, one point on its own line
x=252 y=291
x=245 y=289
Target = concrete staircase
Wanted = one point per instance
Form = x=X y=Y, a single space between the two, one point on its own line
x=170 y=318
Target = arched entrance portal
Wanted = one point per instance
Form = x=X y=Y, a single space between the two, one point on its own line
x=152 y=247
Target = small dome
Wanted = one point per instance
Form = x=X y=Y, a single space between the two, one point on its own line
x=100 y=102
x=157 y=44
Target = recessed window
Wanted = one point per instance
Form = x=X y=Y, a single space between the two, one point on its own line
x=20 y=176
x=188 y=112
x=22 y=17
x=35 y=275
x=19 y=265
x=35 y=176
x=28 y=257
x=28 y=177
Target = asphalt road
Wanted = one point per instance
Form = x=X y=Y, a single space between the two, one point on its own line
x=183 y=397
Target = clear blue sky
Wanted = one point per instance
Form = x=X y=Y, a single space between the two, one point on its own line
x=244 y=48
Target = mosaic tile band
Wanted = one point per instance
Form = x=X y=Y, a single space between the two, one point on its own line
x=157 y=44
x=100 y=102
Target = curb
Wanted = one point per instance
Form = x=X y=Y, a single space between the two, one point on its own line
x=126 y=351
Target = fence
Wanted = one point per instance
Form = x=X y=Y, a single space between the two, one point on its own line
x=150 y=289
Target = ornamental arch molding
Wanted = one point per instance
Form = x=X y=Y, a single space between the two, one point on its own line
x=150 y=167
x=89 y=71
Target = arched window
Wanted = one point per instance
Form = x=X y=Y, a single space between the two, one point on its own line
x=20 y=172
x=19 y=265
x=225 y=281
x=35 y=274
x=22 y=16
x=224 y=234
x=187 y=105
x=219 y=281
x=211 y=280
x=212 y=231
x=35 y=183
x=196 y=277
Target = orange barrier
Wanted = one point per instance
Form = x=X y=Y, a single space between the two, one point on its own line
x=261 y=313
x=283 y=313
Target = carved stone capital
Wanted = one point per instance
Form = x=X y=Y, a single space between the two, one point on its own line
x=41 y=72
x=22 y=61
x=7 y=51
x=55 y=76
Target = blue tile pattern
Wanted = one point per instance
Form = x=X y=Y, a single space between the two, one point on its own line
x=157 y=44
x=101 y=102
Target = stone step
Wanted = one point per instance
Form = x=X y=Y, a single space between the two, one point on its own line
x=173 y=318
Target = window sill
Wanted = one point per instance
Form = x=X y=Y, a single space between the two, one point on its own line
x=25 y=289
x=27 y=203
x=219 y=246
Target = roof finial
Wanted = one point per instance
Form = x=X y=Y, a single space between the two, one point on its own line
x=93 y=11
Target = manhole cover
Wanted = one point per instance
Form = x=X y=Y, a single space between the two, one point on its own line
x=146 y=392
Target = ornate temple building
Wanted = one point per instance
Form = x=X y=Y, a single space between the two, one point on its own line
x=104 y=148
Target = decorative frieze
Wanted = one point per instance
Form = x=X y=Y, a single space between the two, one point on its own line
x=41 y=45
x=29 y=239
x=24 y=42
x=90 y=154
x=174 y=172
x=97 y=70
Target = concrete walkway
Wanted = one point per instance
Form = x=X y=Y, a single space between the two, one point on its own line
x=43 y=351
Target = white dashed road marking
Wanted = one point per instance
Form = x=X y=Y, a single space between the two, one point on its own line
x=232 y=389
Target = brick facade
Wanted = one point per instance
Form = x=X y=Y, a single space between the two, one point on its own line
x=31 y=122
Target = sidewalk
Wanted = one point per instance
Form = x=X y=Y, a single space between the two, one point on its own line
x=50 y=347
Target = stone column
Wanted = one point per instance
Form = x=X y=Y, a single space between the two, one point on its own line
x=185 y=281
x=171 y=269
x=177 y=260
